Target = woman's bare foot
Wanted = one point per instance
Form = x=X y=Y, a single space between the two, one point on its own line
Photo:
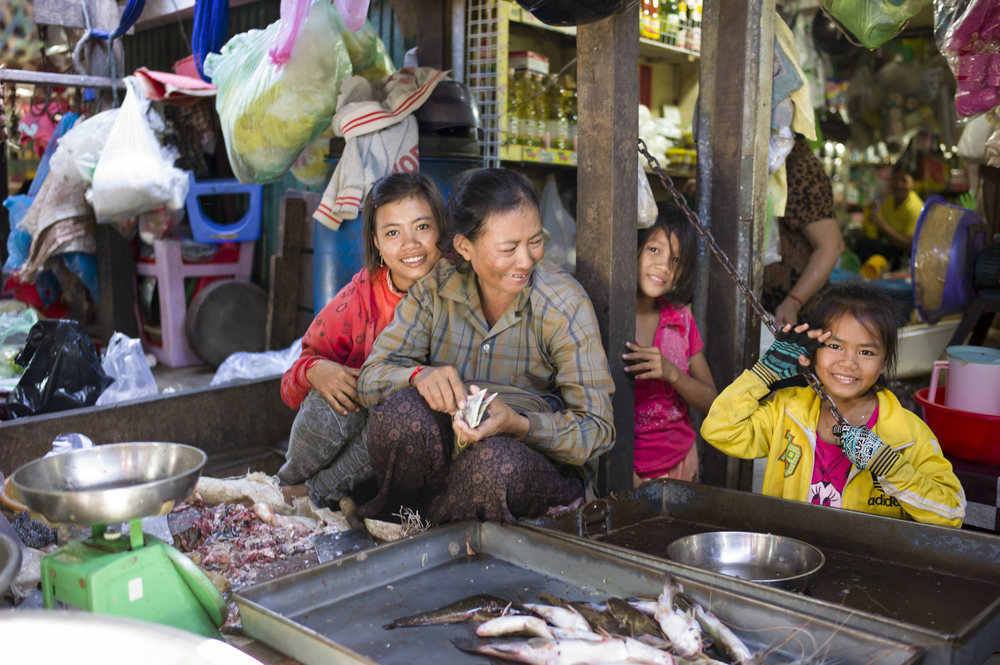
x=293 y=492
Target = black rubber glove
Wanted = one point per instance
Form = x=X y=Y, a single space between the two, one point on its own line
x=782 y=359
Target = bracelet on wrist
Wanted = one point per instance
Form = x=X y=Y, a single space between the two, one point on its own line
x=418 y=370
x=796 y=299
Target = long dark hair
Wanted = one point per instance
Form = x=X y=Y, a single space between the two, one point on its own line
x=390 y=189
x=873 y=309
x=483 y=193
x=671 y=221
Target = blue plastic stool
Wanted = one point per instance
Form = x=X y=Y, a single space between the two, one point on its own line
x=207 y=231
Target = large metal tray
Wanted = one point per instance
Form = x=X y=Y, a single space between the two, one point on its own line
x=933 y=586
x=334 y=613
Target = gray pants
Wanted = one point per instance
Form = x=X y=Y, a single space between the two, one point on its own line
x=327 y=450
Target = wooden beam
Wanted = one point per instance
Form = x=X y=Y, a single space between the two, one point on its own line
x=116 y=278
x=432 y=34
x=283 y=294
x=740 y=39
x=607 y=209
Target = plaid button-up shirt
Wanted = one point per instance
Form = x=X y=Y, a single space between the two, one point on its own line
x=547 y=342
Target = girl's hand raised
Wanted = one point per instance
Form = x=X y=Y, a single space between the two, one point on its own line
x=650 y=364
x=791 y=350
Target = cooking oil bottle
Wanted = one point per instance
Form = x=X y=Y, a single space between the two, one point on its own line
x=525 y=112
x=556 y=124
x=513 y=99
x=538 y=110
x=568 y=92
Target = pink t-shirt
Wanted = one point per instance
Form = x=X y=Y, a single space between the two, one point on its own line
x=830 y=471
x=663 y=432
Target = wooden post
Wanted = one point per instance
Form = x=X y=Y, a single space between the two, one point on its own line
x=607 y=209
x=432 y=33
x=283 y=295
x=738 y=41
x=116 y=279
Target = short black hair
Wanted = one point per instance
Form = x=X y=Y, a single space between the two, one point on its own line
x=483 y=193
x=672 y=221
x=390 y=189
x=873 y=309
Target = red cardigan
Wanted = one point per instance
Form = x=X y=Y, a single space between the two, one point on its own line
x=344 y=331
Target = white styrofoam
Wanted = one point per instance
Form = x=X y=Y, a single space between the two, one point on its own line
x=920 y=345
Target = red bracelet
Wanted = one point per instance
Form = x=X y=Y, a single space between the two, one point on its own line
x=793 y=297
x=418 y=370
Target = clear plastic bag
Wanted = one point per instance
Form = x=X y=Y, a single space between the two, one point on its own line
x=647 y=204
x=126 y=364
x=67 y=443
x=310 y=166
x=968 y=34
x=243 y=365
x=873 y=22
x=86 y=141
x=269 y=113
x=560 y=249
x=369 y=56
x=14 y=329
x=293 y=15
x=133 y=175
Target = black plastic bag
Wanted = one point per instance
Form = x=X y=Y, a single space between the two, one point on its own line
x=61 y=370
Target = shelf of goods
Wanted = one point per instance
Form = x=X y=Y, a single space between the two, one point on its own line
x=488 y=41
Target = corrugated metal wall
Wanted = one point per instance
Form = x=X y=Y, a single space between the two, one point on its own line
x=159 y=48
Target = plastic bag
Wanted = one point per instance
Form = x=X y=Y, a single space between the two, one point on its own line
x=873 y=22
x=244 y=365
x=972 y=144
x=133 y=175
x=126 y=364
x=86 y=141
x=310 y=166
x=67 y=443
x=19 y=240
x=353 y=12
x=560 y=249
x=293 y=15
x=647 y=204
x=14 y=329
x=369 y=57
x=270 y=113
x=61 y=370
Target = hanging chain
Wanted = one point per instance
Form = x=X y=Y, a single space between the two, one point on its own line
x=727 y=265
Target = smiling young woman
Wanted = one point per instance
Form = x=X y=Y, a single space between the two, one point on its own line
x=327 y=449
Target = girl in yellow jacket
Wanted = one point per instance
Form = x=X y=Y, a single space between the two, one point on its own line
x=888 y=462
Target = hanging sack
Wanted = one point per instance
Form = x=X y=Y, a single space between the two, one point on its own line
x=270 y=112
x=134 y=175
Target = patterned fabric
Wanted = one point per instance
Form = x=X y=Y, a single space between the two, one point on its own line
x=546 y=342
x=866 y=450
x=781 y=360
x=663 y=432
x=810 y=199
x=344 y=331
x=831 y=470
x=496 y=480
x=327 y=450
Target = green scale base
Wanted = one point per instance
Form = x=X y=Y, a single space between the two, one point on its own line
x=139 y=577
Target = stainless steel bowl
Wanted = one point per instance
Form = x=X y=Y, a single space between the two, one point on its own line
x=770 y=560
x=110 y=483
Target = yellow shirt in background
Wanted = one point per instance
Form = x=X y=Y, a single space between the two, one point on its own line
x=903 y=218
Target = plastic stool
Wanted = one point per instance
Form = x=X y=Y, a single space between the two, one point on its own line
x=170 y=272
x=205 y=230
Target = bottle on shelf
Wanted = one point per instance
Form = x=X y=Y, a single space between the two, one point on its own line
x=538 y=111
x=682 y=24
x=525 y=111
x=694 y=32
x=569 y=109
x=556 y=124
x=512 y=102
x=671 y=22
x=649 y=19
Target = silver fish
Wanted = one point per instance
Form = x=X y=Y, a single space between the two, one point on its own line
x=560 y=616
x=726 y=642
x=515 y=625
x=682 y=630
x=571 y=652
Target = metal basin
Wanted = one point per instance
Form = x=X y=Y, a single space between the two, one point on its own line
x=10 y=561
x=110 y=483
x=773 y=561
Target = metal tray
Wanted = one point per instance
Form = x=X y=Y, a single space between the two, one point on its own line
x=334 y=613
x=933 y=586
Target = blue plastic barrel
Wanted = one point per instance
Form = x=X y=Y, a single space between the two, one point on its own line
x=339 y=255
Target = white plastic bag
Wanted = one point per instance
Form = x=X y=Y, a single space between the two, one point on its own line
x=647 y=204
x=126 y=364
x=66 y=443
x=133 y=175
x=86 y=141
x=972 y=145
x=244 y=365
x=561 y=227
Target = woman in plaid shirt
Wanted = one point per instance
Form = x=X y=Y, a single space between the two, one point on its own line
x=493 y=313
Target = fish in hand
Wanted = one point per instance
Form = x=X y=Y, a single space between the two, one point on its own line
x=474 y=608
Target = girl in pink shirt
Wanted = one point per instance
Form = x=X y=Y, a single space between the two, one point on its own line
x=670 y=369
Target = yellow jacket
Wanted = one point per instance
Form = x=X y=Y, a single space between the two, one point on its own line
x=919 y=485
x=903 y=217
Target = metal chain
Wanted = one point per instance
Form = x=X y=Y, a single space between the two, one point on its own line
x=727 y=265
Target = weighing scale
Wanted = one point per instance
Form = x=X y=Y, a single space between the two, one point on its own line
x=133 y=575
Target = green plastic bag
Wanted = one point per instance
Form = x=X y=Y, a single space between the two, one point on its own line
x=369 y=57
x=270 y=113
x=14 y=329
x=874 y=22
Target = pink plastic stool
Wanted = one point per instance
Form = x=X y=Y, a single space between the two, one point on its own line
x=170 y=272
